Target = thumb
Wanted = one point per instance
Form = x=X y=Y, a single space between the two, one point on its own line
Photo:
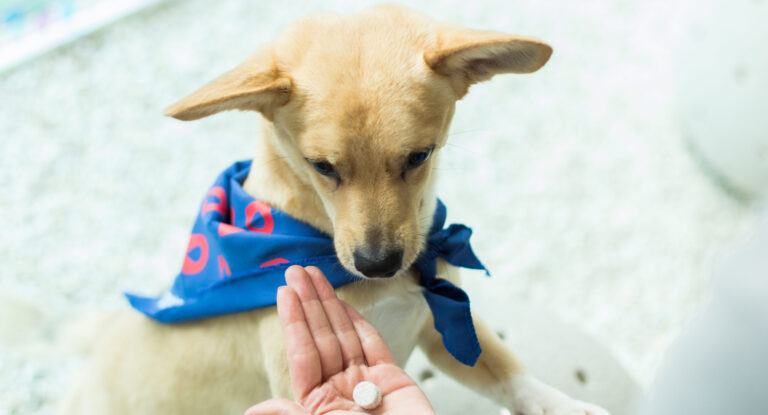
x=277 y=407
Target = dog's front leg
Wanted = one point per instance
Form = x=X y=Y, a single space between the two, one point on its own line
x=274 y=358
x=499 y=375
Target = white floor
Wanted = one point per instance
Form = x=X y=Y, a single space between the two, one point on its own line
x=576 y=181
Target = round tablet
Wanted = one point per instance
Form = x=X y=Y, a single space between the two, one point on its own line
x=367 y=395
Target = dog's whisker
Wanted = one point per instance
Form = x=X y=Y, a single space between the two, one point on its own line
x=452 y=146
x=466 y=132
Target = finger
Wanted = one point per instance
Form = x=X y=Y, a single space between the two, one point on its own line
x=374 y=347
x=303 y=357
x=351 y=349
x=277 y=407
x=325 y=339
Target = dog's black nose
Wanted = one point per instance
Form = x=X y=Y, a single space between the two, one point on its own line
x=379 y=268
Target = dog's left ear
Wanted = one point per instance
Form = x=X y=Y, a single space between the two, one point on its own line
x=255 y=85
x=470 y=56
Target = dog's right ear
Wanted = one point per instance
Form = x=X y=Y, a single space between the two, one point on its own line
x=255 y=85
x=469 y=56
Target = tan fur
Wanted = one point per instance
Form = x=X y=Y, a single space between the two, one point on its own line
x=362 y=92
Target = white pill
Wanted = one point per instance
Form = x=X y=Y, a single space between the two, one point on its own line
x=367 y=395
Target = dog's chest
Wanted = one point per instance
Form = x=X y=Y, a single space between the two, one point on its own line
x=398 y=313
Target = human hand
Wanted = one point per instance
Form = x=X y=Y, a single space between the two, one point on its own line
x=331 y=348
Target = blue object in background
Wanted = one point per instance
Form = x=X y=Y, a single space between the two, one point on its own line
x=31 y=27
x=22 y=17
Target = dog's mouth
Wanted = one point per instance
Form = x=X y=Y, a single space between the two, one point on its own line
x=384 y=251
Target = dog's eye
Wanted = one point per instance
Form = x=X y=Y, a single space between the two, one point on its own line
x=323 y=167
x=416 y=159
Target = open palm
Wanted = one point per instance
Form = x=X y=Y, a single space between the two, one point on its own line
x=331 y=348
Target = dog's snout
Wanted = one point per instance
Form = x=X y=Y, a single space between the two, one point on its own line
x=383 y=267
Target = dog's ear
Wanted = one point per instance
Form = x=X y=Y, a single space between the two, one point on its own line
x=255 y=85
x=470 y=56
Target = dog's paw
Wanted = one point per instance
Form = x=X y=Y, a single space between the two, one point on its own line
x=532 y=397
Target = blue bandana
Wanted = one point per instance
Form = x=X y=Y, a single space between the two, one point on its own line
x=240 y=248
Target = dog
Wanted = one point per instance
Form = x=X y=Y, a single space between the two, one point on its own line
x=355 y=111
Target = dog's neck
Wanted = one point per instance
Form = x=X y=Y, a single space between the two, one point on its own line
x=273 y=180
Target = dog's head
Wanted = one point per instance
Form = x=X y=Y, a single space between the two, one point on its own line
x=360 y=107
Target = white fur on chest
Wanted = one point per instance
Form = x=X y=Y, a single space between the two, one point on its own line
x=398 y=312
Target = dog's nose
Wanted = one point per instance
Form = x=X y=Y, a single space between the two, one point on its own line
x=379 y=268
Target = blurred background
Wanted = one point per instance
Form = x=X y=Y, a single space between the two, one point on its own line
x=601 y=189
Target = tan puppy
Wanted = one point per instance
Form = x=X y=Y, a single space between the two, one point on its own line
x=356 y=109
